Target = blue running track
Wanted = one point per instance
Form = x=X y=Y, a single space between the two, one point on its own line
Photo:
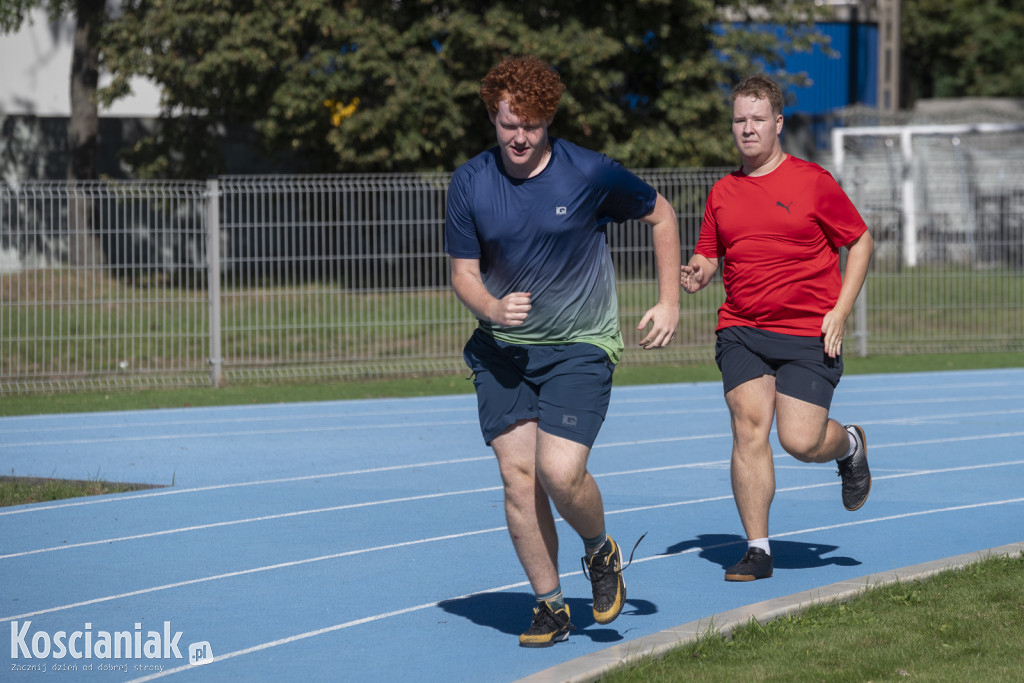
x=366 y=541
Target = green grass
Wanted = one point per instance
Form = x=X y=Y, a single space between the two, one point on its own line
x=26 y=490
x=959 y=625
x=62 y=324
x=933 y=308
x=437 y=385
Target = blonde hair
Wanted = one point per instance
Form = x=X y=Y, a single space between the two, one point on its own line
x=760 y=87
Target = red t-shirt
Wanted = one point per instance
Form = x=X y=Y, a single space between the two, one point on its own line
x=778 y=238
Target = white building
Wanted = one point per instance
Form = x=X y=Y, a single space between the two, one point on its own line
x=35 y=67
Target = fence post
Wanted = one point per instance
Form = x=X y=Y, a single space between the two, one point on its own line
x=909 y=190
x=213 y=277
x=860 y=308
x=860 y=304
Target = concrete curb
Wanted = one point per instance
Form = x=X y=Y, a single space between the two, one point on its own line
x=591 y=667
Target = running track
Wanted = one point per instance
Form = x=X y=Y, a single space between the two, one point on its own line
x=365 y=540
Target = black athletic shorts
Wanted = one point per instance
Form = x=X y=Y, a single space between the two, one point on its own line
x=799 y=364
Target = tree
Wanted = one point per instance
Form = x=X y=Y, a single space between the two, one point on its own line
x=83 y=122
x=963 y=48
x=363 y=85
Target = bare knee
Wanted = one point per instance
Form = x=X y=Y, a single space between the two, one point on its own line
x=751 y=412
x=516 y=451
x=516 y=475
x=564 y=485
x=562 y=469
x=750 y=436
x=803 y=429
x=806 y=445
x=800 y=447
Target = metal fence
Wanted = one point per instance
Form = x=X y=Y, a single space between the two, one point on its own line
x=945 y=204
x=110 y=285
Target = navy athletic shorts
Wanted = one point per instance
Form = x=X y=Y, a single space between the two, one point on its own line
x=801 y=368
x=566 y=387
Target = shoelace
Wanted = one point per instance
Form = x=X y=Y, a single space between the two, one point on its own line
x=545 y=618
x=599 y=573
x=845 y=465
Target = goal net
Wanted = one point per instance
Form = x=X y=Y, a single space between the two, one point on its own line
x=937 y=194
x=945 y=206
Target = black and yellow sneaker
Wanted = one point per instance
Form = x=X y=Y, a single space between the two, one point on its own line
x=605 y=573
x=548 y=626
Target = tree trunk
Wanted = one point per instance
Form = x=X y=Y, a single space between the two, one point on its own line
x=83 y=133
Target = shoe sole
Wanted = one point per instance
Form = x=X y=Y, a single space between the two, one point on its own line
x=863 y=440
x=611 y=615
x=745 y=577
x=560 y=638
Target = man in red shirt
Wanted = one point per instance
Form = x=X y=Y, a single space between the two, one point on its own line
x=777 y=224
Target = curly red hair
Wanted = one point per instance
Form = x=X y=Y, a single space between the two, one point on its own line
x=533 y=89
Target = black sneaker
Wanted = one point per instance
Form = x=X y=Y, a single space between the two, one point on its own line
x=548 y=626
x=854 y=471
x=605 y=573
x=756 y=564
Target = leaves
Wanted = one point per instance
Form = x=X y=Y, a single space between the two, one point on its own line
x=647 y=81
x=964 y=48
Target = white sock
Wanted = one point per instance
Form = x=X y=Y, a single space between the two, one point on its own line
x=761 y=543
x=853 y=446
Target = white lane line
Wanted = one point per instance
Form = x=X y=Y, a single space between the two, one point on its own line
x=63 y=427
x=843 y=406
x=250 y=433
x=329 y=629
x=472 y=533
x=490 y=489
x=847 y=388
x=249 y=520
x=807 y=487
x=217 y=487
x=472 y=421
x=245 y=572
x=416 y=608
x=273 y=408
x=714 y=463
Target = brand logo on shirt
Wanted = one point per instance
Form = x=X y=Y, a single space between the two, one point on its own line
x=560 y=210
x=784 y=206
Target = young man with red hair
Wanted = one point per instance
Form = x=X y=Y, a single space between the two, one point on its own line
x=525 y=230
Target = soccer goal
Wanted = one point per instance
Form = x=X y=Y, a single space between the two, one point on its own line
x=945 y=206
x=936 y=194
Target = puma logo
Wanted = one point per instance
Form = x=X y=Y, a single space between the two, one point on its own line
x=784 y=206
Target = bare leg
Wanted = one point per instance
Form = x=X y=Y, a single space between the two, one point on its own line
x=807 y=433
x=527 y=510
x=752 y=408
x=535 y=465
x=562 y=467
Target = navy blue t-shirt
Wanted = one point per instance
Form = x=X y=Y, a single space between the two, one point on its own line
x=546 y=235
